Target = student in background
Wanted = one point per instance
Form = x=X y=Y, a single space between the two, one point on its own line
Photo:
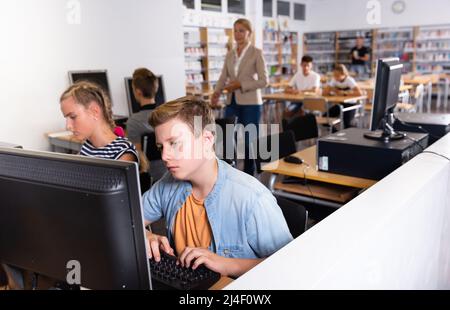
x=88 y=114
x=304 y=81
x=342 y=84
x=360 y=56
x=145 y=85
x=243 y=76
x=216 y=215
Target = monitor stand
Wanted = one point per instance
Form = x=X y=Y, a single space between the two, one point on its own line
x=387 y=133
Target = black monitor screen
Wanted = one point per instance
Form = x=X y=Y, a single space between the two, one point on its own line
x=59 y=209
x=387 y=87
x=133 y=105
x=98 y=77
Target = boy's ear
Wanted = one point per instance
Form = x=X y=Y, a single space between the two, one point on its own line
x=138 y=92
x=208 y=136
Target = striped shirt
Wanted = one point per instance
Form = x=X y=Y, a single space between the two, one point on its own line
x=114 y=150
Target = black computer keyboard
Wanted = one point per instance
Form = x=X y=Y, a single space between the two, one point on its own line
x=166 y=274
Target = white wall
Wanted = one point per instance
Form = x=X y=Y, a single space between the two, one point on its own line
x=334 y=15
x=395 y=235
x=39 y=46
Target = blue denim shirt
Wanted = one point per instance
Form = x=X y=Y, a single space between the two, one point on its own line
x=245 y=220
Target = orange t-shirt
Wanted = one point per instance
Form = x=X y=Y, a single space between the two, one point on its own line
x=191 y=228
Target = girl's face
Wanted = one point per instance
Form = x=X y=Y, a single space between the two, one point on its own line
x=338 y=76
x=80 y=120
x=241 y=34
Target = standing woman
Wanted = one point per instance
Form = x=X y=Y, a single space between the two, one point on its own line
x=88 y=114
x=243 y=76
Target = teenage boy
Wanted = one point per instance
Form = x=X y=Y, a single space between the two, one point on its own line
x=304 y=81
x=215 y=215
x=145 y=86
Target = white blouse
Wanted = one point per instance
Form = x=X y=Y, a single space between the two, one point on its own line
x=239 y=59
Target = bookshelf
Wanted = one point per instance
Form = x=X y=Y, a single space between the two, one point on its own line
x=205 y=49
x=398 y=42
x=322 y=47
x=432 y=49
x=280 y=49
x=423 y=50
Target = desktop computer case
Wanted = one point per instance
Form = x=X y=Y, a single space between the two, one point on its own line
x=348 y=152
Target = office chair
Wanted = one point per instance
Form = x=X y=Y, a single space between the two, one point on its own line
x=295 y=214
x=418 y=97
x=151 y=151
x=321 y=107
x=3 y=278
x=303 y=127
x=286 y=147
x=227 y=141
x=149 y=146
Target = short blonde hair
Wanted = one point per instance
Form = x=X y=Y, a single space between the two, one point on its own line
x=185 y=109
x=84 y=93
x=245 y=23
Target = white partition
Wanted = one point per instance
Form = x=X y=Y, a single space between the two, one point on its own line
x=396 y=235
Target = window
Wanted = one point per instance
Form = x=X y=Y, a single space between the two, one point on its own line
x=299 y=11
x=284 y=8
x=267 y=8
x=212 y=5
x=236 y=6
x=190 y=4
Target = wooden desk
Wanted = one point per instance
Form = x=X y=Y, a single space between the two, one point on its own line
x=369 y=85
x=300 y=97
x=330 y=186
x=224 y=281
x=421 y=79
x=281 y=84
x=65 y=140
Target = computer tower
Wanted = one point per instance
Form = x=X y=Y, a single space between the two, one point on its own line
x=348 y=152
x=437 y=125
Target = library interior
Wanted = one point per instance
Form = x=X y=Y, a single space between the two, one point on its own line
x=225 y=145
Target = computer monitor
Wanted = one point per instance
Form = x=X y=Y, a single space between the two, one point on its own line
x=133 y=105
x=385 y=98
x=100 y=77
x=58 y=210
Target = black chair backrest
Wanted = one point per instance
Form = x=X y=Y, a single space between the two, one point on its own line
x=295 y=215
x=228 y=139
x=149 y=147
x=304 y=127
x=3 y=278
x=286 y=147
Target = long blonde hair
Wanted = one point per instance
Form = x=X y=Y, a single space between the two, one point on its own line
x=84 y=93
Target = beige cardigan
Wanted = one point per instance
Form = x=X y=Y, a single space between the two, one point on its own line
x=252 y=74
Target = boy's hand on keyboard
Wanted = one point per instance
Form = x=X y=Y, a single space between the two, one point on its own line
x=158 y=243
x=194 y=257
